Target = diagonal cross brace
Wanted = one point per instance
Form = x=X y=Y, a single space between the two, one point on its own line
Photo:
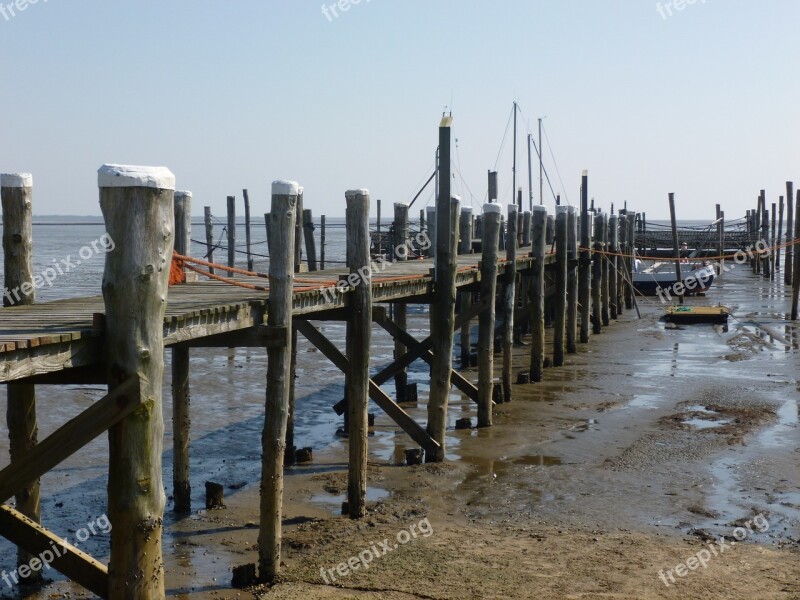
x=381 y=398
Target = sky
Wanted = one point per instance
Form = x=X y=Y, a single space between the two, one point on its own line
x=697 y=99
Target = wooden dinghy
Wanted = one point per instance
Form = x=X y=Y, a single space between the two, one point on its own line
x=697 y=314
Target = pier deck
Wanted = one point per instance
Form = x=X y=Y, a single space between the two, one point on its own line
x=62 y=341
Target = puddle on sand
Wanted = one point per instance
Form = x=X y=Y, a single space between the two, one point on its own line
x=699 y=423
x=334 y=501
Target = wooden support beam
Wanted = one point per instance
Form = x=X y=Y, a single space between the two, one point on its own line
x=381 y=398
x=66 y=559
x=71 y=437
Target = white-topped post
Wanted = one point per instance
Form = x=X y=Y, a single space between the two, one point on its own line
x=17 y=196
x=137 y=205
x=489 y=236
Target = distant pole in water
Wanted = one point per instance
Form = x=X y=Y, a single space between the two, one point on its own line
x=780 y=233
x=530 y=176
x=209 y=223
x=796 y=262
x=248 y=241
x=298 y=233
x=787 y=264
x=493 y=193
x=322 y=242
x=231 y=231
x=676 y=246
x=585 y=261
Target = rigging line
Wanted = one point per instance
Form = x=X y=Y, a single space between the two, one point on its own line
x=546 y=175
x=547 y=139
x=502 y=144
x=431 y=169
x=464 y=184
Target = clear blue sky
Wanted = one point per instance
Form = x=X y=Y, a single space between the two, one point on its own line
x=235 y=93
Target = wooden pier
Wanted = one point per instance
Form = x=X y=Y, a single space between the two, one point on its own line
x=572 y=269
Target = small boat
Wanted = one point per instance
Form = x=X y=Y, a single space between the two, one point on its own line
x=697 y=314
x=660 y=279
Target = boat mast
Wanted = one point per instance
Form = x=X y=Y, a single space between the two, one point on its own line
x=530 y=176
x=514 y=167
x=541 y=167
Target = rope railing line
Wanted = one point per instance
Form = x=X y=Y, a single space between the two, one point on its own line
x=766 y=250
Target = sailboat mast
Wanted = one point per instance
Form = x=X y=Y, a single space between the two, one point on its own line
x=530 y=177
x=514 y=167
x=541 y=167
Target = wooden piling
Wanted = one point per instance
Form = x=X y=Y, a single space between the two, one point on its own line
x=780 y=234
x=538 y=243
x=526 y=228
x=209 y=223
x=137 y=205
x=444 y=302
x=572 y=281
x=248 y=240
x=788 y=266
x=231 y=231
x=181 y=418
x=465 y=247
x=622 y=262
x=772 y=250
x=630 y=297
x=796 y=261
x=585 y=261
x=489 y=253
x=597 y=275
x=430 y=220
x=611 y=259
x=400 y=254
x=298 y=233
x=359 y=329
x=282 y=225
x=308 y=234
x=562 y=250
x=605 y=291
x=509 y=301
x=676 y=247
x=16 y=190
x=322 y=242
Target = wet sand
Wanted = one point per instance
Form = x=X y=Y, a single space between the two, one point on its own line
x=648 y=444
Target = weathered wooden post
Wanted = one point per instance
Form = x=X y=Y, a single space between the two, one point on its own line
x=585 y=261
x=572 y=281
x=605 y=300
x=430 y=220
x=181 y=418
x=676 y=245
x=267 y=226
x=16 y=190
x=444 y=302
x=562 y=249
x=538 y=241
x=298 y=233
x=308 y=234
x=509 y=301
x=231 y=231
x=490 y=233
x=359 y=328
x=400 y=254
x=322 y=242
x=613 y=276
x=597 y=275
x=137 y=205
x=796 y=261
x=526 y=228
x=465 y=247
x=772 y=249
x=248 y=242
x=780 y=234
x=209 y=223
x=788 y=263
x=630 y=298
x=282 y=225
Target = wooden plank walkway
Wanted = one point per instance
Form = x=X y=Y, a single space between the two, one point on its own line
x=66 y=334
